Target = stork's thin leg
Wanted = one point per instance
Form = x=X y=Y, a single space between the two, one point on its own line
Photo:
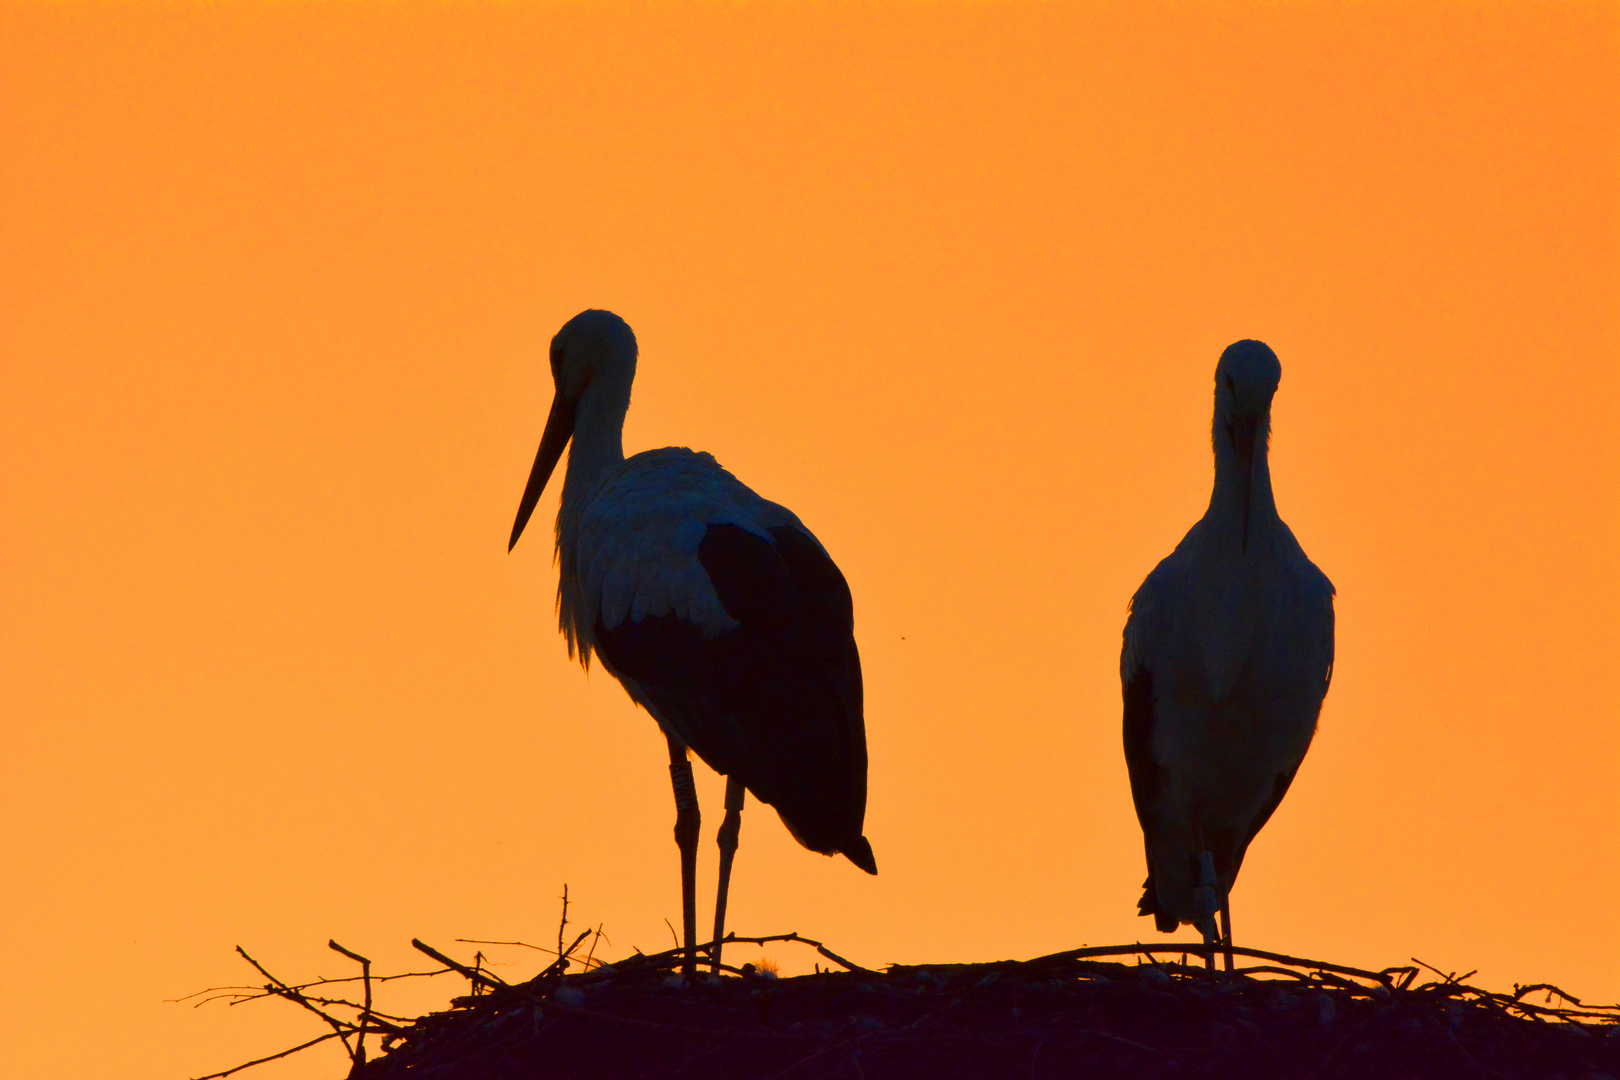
x=1206 y=902
x=729 y=829
x=687 y=822
x=1226 y=928
x=1207 y=925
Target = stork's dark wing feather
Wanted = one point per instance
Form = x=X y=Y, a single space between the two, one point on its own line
x=1147 y=778
x=1323 y=640
x=1279 y=788
x=775 y=701
x=1146 y=774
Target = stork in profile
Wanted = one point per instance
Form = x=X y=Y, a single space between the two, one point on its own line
x=719 y=612
x=1227 y=656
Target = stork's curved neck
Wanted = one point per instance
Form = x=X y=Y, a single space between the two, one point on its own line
x=598 y=436
x=1241 y=507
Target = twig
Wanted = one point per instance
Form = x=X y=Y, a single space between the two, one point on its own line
x=848 y=965
x=1408 y=976
x=1203 y=950
x=592 y=956
x=359 y=1058
x=492 y=981
x=380 y=1021
x=272 y=1057
x=283 y=990
x=1453 y=979
x=520 y=944
x=560 y=965
x=564 y=921
x=1268 y=970
x=1520 y=991
x=242 y=993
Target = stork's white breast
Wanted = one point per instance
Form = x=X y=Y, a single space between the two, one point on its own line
x=638 y=533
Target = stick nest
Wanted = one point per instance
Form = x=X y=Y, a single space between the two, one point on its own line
x=1069 y=1014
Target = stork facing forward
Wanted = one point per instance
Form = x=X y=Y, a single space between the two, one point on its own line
x=1227 y=656
x=719 y=612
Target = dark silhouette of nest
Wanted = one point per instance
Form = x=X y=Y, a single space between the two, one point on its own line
x=1068 y=1014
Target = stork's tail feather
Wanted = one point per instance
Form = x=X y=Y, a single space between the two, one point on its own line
x=860 y=853
x=1149 y=905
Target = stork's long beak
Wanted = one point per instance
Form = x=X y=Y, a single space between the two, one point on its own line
x=559 y=429
x=1244 y=429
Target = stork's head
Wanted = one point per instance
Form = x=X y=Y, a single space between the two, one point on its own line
x=1245 y=380
x=593 y=345
x=593 y=349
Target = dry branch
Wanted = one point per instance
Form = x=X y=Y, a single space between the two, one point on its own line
x=1199 y=949
x=493 y=982
x=359 y=1056
x=272 y=1057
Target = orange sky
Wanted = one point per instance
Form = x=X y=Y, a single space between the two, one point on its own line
x=949 y=280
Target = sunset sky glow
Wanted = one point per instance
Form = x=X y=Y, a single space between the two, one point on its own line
x=950 y=281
